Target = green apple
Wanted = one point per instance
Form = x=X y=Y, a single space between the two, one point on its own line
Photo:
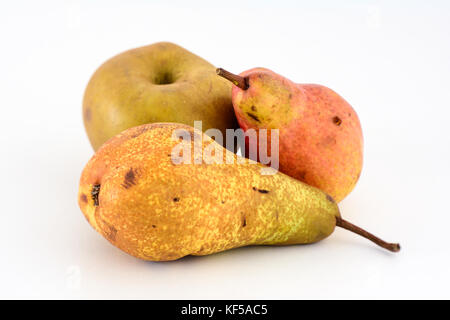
x=162 y=82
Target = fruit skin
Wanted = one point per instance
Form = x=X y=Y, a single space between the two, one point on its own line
x=124 y=93
x=156 y=210
x=320 y=136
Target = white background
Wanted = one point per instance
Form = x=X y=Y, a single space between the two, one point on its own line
x=389 y=59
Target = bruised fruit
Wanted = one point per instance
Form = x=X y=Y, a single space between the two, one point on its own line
x=140 y=196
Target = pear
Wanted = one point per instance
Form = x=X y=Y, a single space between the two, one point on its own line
x=162 y=82
x=320 y=136
x=140 y=197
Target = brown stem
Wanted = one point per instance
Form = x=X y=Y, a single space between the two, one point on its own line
x=238 y=81
x=394 y=247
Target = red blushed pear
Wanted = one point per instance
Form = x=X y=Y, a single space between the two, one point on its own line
x=320 y=136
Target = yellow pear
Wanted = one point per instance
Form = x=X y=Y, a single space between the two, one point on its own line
x=160 y=197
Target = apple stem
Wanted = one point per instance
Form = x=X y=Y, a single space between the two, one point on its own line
x=238 y=81
x=394 y=247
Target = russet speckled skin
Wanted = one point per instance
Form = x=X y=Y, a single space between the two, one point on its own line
x=320 y=136
x=161 y=82
x=156 y=210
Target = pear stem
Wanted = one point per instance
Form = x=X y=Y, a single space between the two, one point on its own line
x=394 y=247
x=238 y=81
